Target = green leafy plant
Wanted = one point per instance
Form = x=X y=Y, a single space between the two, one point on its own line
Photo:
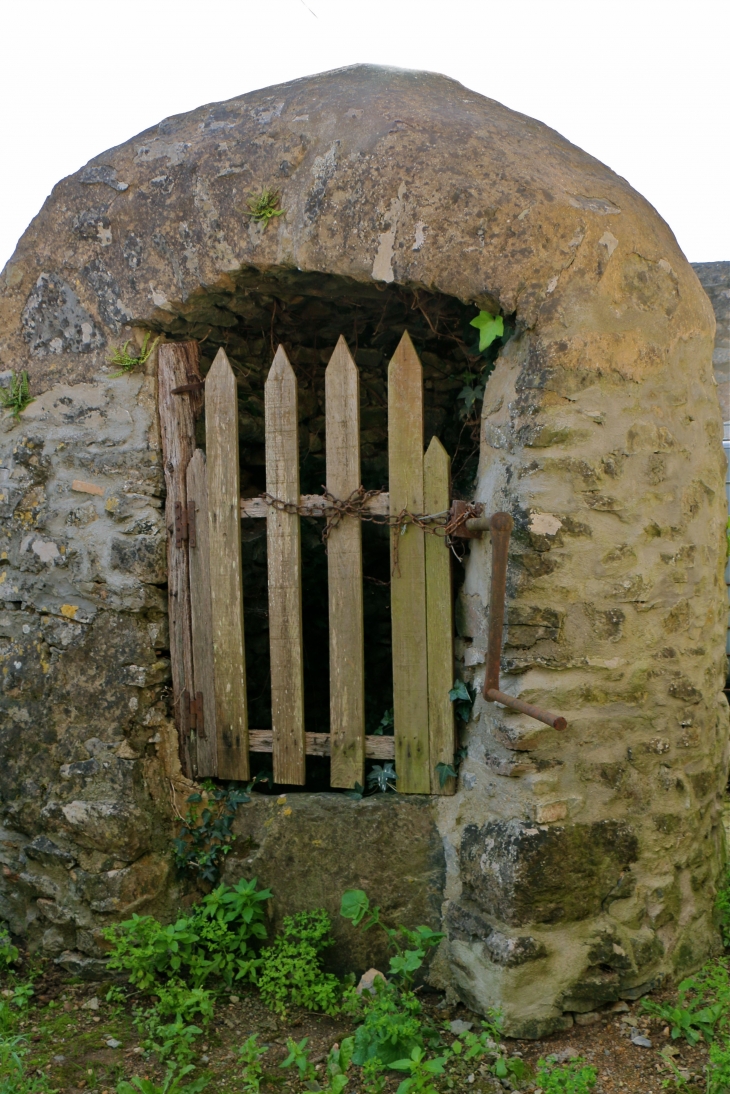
x=718 y=1070
x=13 y=1078
x=392 y=1025
x=703 y=1003
x=171 y=1084
x=383 y=777
x=215 y=939
x=385 y=725
x=8 y=952
x=16 y=397
x=22 y=995
x=338 y=1063
x=291 y=968
x=249 y=1055
x=299 y=1058
x=206 y=835
x=490 y=328
x=575 y=1078
x=263 y=206
x=411 y=946
x=421 y=1072
x=462 y=696
x=126 y=361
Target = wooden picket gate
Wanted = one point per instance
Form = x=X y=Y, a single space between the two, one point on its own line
x=206 y=586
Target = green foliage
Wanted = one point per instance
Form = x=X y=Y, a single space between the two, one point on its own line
x=206 y=835
x=723 y=897
x=385 y=725
x=299 y=1058
x=382 y=778
x=291 y=969
x=490 y=328
x=263 y=206
x=411 y=946
x=252 y=1073
x=462 y=696
x=718 y=1073
x=338 y=1062
x=22 y=995
x=215 y=939
x=17 y=397
x=703 y=1004
x=575 y=1078
x=13 y=1079
x=8 y=952
x=126 y=361
x=421 y=1072
x=171 y=1084
x=392 y=1026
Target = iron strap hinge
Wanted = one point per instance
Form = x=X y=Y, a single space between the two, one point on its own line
x=194 y=712
x=185 y=524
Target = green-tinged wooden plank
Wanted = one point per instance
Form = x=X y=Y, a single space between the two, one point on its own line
x=226 y=583
x=344 y=572
x=202 y=615
x=285 y=574
x=408 y=571
x=439 y=617
x=177 y=364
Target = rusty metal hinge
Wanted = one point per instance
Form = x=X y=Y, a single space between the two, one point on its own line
x=194 y=712
x=185 y=531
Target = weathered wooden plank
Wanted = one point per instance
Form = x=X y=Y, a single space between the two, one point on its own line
x=439 y=621
x=318 y=744
x=201 y=615
x=177 y=365
x=226 y=583
x=285 y=570
x=408 y=571
x=344 y=573
x=313 y=504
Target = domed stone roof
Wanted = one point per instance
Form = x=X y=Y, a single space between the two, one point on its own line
x=384 y=175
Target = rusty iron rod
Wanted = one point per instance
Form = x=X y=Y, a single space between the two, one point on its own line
x=500 y=525
x=555 y=720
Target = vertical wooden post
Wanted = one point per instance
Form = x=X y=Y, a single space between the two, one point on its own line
x=439 y=621
x=202 y=616
x=285 y=574
x=344 y=571
x=408 y=571
x=226 y=584
x=178 y=365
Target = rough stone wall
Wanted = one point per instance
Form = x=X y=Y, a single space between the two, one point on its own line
x=580 y=867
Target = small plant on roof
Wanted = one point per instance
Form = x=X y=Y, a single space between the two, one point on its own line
x=17 y=397
x=263 y=206
x=125 y=360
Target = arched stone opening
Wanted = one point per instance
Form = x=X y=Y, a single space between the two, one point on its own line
x=249 y=314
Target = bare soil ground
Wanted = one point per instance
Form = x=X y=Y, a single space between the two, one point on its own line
x=91 y=1050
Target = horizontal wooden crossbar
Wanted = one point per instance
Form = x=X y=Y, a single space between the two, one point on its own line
x=315 y=504
x=318 y=744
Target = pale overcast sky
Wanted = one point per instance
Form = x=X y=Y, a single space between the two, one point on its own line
x=641 y=84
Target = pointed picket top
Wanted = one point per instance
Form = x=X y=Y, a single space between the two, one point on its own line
x=220 y=369
x=437 y=462
x=281 y=371
x=342 y=416
x=405 y=359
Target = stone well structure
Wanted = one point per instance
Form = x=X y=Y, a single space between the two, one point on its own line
x=569 y=869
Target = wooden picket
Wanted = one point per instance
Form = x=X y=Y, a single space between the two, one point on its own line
x=439 y=626
x=226 y=584
x=285 y=574
x=408 y=571
x=206 y=582
x=201 y=612
x=344 y=572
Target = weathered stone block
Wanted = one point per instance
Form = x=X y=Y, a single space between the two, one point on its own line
x=521 y=873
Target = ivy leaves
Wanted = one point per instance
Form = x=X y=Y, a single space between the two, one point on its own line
x=489 y=327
